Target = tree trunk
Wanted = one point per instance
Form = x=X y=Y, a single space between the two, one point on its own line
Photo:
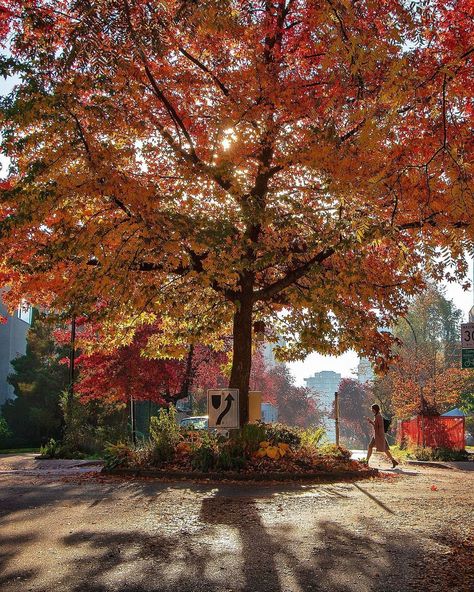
x=242 y=353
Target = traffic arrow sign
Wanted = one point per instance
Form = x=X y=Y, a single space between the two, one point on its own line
x=228 y=406
x=223 y=408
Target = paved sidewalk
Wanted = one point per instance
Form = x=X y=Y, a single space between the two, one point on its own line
x=456 y=465
x=409 y=532
x=29 y=464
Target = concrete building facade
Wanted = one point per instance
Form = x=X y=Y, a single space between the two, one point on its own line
x=324 y=384
x=12 y=344
x=365 y=372
x=268 y=351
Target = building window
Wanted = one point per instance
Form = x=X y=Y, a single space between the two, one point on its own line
x=24 y=312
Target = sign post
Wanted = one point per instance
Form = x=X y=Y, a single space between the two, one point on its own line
x=336 y=414
x=223 y=408
x=467 y=344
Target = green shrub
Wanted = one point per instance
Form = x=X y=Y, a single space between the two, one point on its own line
x=164 y=435
x=334 y=451
x=280 y=433
x=312 y=437
x=118 y=455
x=5 y=432
x=51 y=449
x=231 y=455
x=251 y=435
x=436 y=454
x=204 y=457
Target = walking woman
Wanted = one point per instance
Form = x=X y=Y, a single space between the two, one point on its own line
x=379 y=441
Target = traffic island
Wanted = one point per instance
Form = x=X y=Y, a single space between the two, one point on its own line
x=270 y=476
x=255 y=452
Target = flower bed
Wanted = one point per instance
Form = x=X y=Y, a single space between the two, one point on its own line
x=253 y=451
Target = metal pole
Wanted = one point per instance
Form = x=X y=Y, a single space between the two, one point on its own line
x=132 y=420
x=336 y=410
x=72 y=360
x=471 y=312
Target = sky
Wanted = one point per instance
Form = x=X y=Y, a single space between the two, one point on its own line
x=346 y=364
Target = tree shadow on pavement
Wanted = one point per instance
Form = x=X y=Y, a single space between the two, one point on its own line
x=232 y=543
x=9 y=546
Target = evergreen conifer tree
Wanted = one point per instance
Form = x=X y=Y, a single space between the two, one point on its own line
x=38 y=380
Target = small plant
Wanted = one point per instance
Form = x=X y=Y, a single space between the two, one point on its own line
x=165 y=424
x=118 y=455
x=278 y=432
x=334 y=451
x=203 y=457
x=51 y=449
x=312 y=437
x=251 y=435
x=275 y=451
x=165 y=436
x=231 y=456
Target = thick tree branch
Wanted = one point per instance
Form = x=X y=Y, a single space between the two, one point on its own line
x=196 y=265
x=205 y=69
x=80 y=130
x=292 y=276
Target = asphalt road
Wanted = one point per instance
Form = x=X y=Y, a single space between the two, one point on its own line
x=64 y=529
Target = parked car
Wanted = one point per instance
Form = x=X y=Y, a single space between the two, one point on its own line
x=198 y=422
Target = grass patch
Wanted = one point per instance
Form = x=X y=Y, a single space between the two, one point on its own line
x=18 y=450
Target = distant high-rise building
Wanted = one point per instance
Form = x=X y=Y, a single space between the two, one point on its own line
x=12 y=344
x=269 y=353
x=324 y=384
x=365 y=371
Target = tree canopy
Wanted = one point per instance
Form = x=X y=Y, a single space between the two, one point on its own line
x=225 y=161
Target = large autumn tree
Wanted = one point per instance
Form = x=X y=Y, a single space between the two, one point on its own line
x=225 y=161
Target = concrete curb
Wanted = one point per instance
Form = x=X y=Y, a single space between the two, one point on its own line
x=429 y=463
x=234 y=476
x=449 y=465
x=78 y=462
